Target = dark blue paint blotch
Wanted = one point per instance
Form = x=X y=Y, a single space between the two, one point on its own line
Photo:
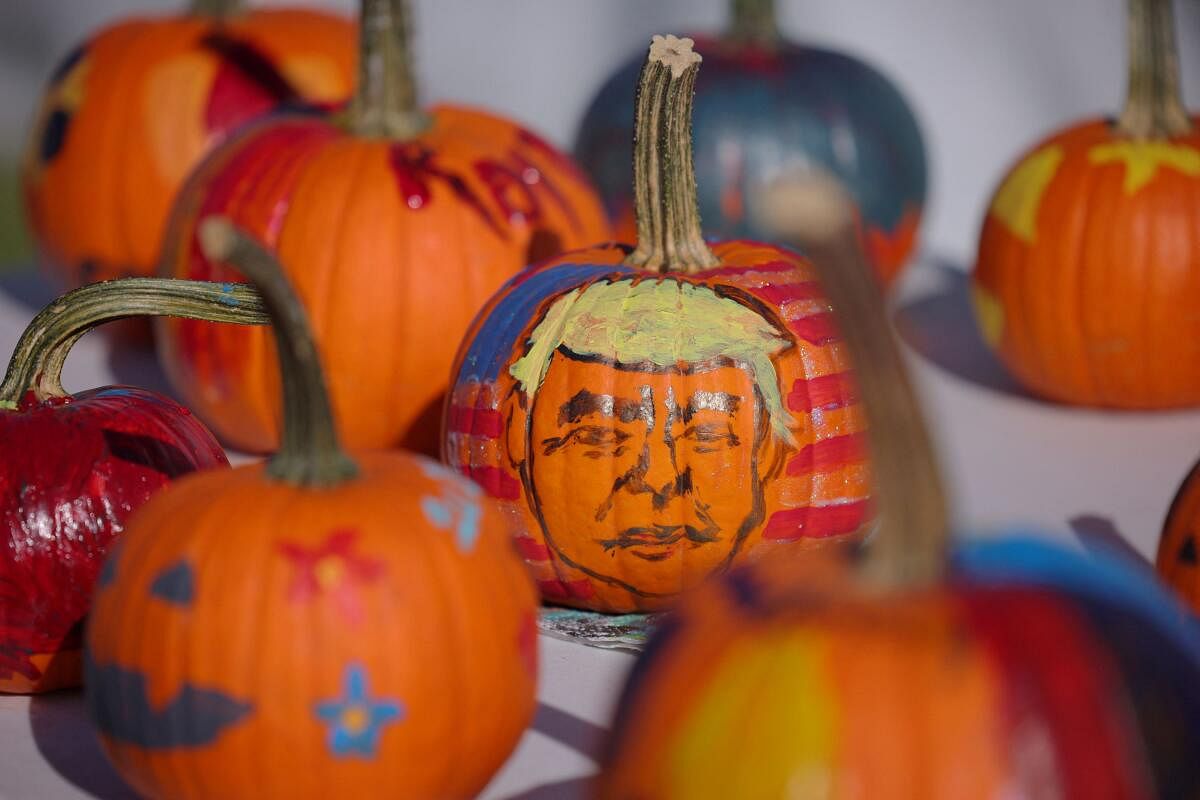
x=54 y=134
x=176 y=584
x=108 y=572
x=1187 y=553
x=67 y=64
x=119 y=705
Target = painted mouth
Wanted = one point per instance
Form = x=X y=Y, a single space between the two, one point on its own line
x=654 y=543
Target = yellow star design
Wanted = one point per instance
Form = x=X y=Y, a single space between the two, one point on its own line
x=1142 y=160
x=1020 y=196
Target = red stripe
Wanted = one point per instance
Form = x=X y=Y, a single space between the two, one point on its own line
x=826 y=392
x=766 y=266
x=816 y=522
x=789 y=292
x=495 y=481
x=485 y=422
x=815 y=329
x=531 y=549
x=828 y=455
x=563 y=590
x=1058 y=680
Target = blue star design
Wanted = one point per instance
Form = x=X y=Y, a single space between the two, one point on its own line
x=356 y=720
x=461 y=501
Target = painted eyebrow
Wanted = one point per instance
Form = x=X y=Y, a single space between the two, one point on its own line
x=585 y=402
x=711 y=401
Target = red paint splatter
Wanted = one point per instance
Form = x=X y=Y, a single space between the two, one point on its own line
x=414 y=167
x=332 y=569
x=247 y=85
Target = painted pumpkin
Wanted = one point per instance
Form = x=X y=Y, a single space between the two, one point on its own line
x=315 y=627
x=655 y=415
x=394 y=233
x=764 y=104
x=1014 y=668
x=74 y=467
x=132 y=110
x=1177 y=561
x=1089 y=264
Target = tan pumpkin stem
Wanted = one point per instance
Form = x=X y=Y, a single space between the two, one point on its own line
x=37 y=362
x=309 y=452
x=1153 y=103
x=817 y=215
x=216 y=9
x=753 y=22
x=664 y=181
x=385 y=103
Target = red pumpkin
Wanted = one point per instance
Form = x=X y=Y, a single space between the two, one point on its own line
x=1089 y=260
x=655 y=416
x=349 y=628
x=1027 y=670
x=132 y=110
x=394 y=232
x=74 y=467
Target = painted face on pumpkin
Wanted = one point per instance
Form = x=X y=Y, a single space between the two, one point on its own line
x=651 y=434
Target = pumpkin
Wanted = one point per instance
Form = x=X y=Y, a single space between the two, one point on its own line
x=319 y=626
x=128 y=113
x=394 y=227
x=1177 y=562
x=74 y=467
x=1089 y=263
x=1019 y=669
x=658 y=414
x=764 y=104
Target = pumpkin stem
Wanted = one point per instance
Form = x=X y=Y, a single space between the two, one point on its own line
x=385 y=104
x=309 y=452
x=37 y=362
x=753 y=22
x=818 y=216
x=216 y=9
x=1153 y=104
x=664 y=181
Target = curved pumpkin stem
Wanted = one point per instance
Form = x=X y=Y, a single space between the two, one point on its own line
x=309 y=452
x=216 y=9
x=753 y=22
x=1153 y=103
x=817 y=215
x=385 y=103
x=37 y=362
x=670 y=238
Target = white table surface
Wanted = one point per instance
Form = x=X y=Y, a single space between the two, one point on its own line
x=1077 y=475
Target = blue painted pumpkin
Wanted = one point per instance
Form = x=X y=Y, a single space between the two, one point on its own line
x=761 y=110
x=1033 y=670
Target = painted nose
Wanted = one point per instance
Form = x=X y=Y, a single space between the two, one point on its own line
x=658 y=468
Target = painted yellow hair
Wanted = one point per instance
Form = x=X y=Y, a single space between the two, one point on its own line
x=662 y=322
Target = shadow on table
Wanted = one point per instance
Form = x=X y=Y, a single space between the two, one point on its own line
x=586 y=738
x=66 y=739
x=941 y=327
x=28 y=288
x=1098 y=534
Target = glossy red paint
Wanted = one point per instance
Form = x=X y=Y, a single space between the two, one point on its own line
x=72 y=470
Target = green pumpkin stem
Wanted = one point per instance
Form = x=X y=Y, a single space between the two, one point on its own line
x=216 y=9
x=909 y=549
x=37 y=362
x=1153 y=103
x=664 y=181
x=753 y=22
x=385 y=103
x=309 y=452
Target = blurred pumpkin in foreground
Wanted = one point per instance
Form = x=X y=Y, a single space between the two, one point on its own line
x=132 y=110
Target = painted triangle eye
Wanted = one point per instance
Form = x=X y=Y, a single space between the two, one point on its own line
x=1187 y=553
x=176 y=584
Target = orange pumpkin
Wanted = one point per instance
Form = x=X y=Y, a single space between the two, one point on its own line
x=315 y=627
x=655 y=416
x=1089 y=260
x=394 y=232
x=1177 y=560
x=132 y=110
x=1025 y=671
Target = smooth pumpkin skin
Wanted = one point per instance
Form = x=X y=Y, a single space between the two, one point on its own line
x=779 y=681
x=1089 y=269
x=1177 y=561
x=810 y=494
x=759 y=112
x=130 y=112
x=392 y=247
x=401 y=573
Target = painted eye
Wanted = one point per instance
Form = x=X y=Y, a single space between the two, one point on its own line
x=175 y=585
x=596 y=436
x=708 y=438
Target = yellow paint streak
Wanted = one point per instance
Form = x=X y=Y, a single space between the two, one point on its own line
x=989 y=313
x=1143 y=159
x=764 y=728
x=1020 y=196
